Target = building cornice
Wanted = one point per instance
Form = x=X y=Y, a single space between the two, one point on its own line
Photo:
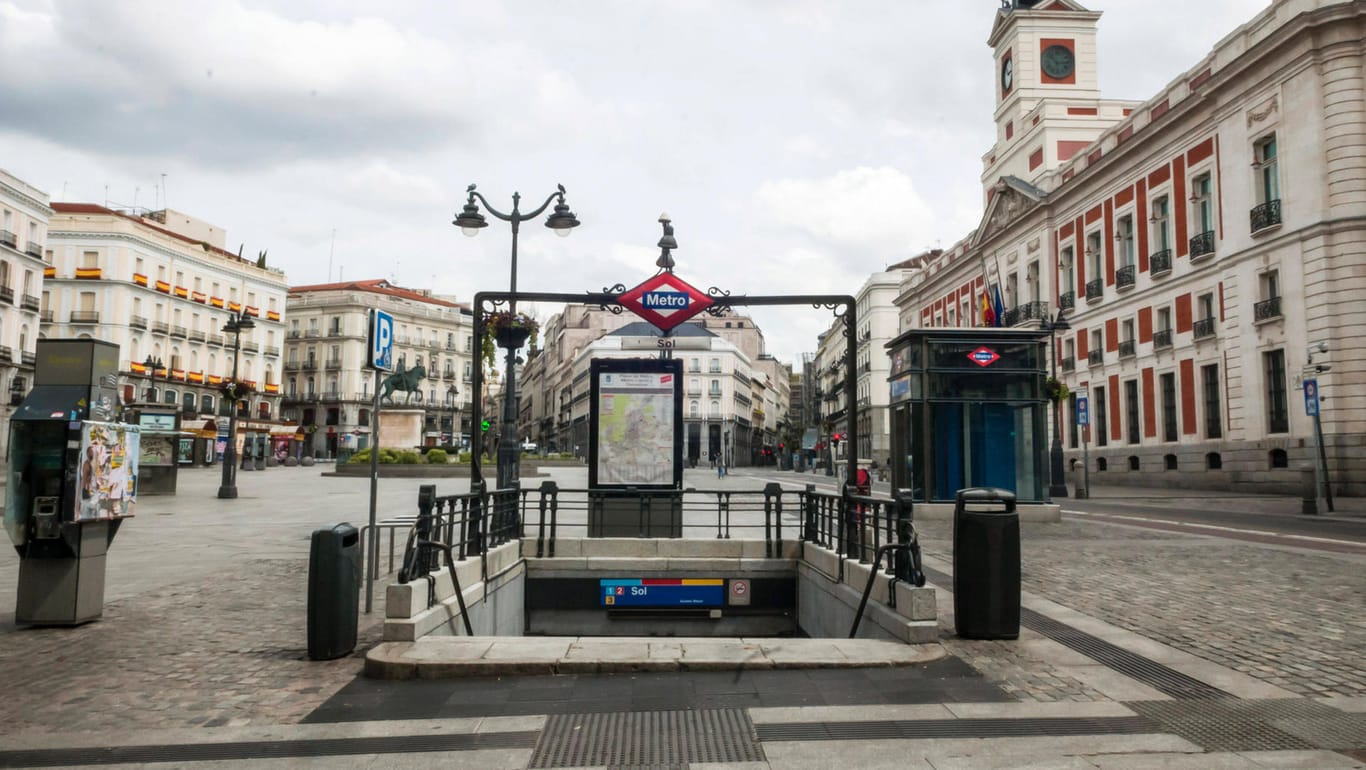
x=23 y=197
x=201 y=257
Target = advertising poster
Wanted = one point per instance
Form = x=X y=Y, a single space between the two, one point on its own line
x=107 y=473
x=157 y=450
x=185 y=451
x=636 y=423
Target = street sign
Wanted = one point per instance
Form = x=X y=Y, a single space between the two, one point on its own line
x=665 y=301
x=666 y=343
x=1083 y=411
x=739 y=593
x=1311 y=398
x=381 y=341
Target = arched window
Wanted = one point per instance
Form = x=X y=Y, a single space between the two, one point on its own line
x=206 y=404
x=693 y=409
x=1169 y=462
x=1279 y=459
x=187 y=401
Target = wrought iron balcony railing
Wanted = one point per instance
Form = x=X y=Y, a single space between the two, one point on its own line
x=1094 y=288
x=28 y=357
x=1067 y=300
x=8 y=238
x=1069 y=364
x=1160 y=263
x=1162 y=338
x=47 y=316
x=1125 y=277
x=85 y=316
x=161 y=327
x=1266 y=215
x=35 y=249
x=273 y=351
x=333 y=363
x=1267 y=309
x=1128 y=348
x=198 y=335
x=1204 y=328
x=1202 y=245
x=1095 y=357
x=217 y=339
x=29 y=302
x=292 y=366
x=1010 y=317
x=1036 y=310
x=7 y=294
x=179 y=331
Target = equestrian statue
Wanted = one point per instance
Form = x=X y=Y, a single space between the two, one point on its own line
x=404 y=381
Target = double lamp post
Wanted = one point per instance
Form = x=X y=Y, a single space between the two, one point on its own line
x=236 y=324
x=470 y=221
x=1057 y=484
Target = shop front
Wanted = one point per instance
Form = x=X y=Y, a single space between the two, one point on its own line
x=969 y=410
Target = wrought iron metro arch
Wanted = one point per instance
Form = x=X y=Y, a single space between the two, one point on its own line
x=609 y=299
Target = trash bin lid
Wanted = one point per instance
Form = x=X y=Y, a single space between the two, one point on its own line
x=987 y=496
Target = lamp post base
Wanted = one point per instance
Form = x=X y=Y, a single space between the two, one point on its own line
x=1057 y=490
x=227 y=493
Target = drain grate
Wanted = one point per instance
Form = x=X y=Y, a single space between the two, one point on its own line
x=647 y=738
x=1162 y=678
x=953 y=728
x=1256 y=725
x=206 y=752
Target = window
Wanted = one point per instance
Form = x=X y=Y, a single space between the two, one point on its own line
x=1131 y=409
x=693 y=409
x=1012 y=291
x=1161 y=229
x=1164 y=319
x=1068 y=270
x=1125 y=236
x=1214 y=461
x=693 y=365
x=715 y=389
x=1268 y=183
x=1133 y=462
x=1169 y=462
x=1101 y=417
x=1032 y=278
x=1270 y=282
x=1076 y=428
x=1202 y=201
x=715 y=365
x=1278 y=459
x=1168 y=382
x=1209 y=376
x=1095 y=260
x=90 y=259
x=1277 y=407
x=1206 y=303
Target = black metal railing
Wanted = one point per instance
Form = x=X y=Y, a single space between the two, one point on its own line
x=1069 y=364
x=1162 y=338
x=29 y=302
x=85 y=316
x=1266 y=215
x=332 y=363
x=1126 y=277
x=7 y=294
x=273 y=351
x=179 y=331
x=35 y=249
x=1160 y=263
x=1202 y=244
x=47 y=316
x=1267 y=309
x=1204 y=328
x=1128 y=348
x=1010 y=317
x=8 y=238
x=160 y=327
x=1095 y=357
x=1094 y=288
x=1067 y=300
x=137 y=321
x=198 y=335
x=1036 y=310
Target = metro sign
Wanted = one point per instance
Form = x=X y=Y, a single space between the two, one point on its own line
x=983 y=356
x=665 y=301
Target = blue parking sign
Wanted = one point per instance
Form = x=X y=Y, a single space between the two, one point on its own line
x=1083 y=411
x=1311 y=398
x=381 y=341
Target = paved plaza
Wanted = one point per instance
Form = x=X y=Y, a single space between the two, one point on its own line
x=200 y=657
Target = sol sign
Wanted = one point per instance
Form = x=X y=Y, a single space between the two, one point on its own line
x=665 y=301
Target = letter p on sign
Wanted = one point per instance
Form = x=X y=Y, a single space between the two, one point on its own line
x=381 y=341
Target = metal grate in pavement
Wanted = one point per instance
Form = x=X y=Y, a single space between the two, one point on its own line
x=205 y=752
x=647 y=738
x=1160 y=677
x=1256 y=725
x=953 y=728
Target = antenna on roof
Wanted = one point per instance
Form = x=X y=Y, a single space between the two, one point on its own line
x=164 y=196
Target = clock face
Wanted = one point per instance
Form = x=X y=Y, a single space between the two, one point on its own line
x=1007 y=74
x=1058 y=62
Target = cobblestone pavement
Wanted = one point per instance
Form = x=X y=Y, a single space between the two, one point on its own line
x=1288 y=617
x=228 y=650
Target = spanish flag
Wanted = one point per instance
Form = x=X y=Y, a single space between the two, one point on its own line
x=988 y=315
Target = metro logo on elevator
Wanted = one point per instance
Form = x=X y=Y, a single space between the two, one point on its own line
x=984 y=356
x=665 y=301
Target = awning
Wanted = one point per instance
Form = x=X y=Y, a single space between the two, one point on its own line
x=52 y=402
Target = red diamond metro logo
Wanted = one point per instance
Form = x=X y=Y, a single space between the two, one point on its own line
x=665 y=301
x=983 y=356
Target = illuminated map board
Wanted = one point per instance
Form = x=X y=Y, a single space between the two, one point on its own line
x=636 y=423
x=662 y=592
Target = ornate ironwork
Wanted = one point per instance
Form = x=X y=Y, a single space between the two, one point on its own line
x=1267 y=309
x=1094 y=288
x=1067 y=300
x=1162 y=338
x=1202 y=244
x=1266 y=215
x=1161 y=262
x=1204 y=328
x=1127 y=348
x=1125 y=277
x=613 y=307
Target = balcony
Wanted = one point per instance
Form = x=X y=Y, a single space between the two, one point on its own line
x=1095 y=357
x=35 y=249
x=1069 y=364
x=311 y=333
x=1266 y=215
x=251 y=347
x=1204 y=328
x=1160 y=263
x=8 y=238
x=1125 y=277
x=1128 y=348
x=161 y=327
x=6 y=353
x=1094 y=289
x=333 y=364
x=1202 y=245
x=85 y=316
x=331 y=395
x=449 y=374
x=450 y=344
x=7 y=294
x=179 y=331
x=311 y=365
x=46 y=316
x=334 y=332
x=1067 y=300
x=273 y=351
x=28 y=357
x=291 y=366
x=1266 y=310
x=29 y=302
x=1162 y=338
x=197 y=335
x=216 y=339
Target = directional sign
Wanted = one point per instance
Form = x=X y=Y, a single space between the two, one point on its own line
x=1083 y=411
x=381 y=341
x=666 y=343
x=662 y=592
x=984 y=356
x=665 y=301
x=1311 y=398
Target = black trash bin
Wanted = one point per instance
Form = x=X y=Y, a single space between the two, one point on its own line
x=986 y=564
x=334 y=561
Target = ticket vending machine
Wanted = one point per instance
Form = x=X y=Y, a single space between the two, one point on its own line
x=72 y=481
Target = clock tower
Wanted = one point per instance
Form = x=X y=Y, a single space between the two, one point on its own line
x=1048 y=101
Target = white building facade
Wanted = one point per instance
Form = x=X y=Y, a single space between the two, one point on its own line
x=23 y=233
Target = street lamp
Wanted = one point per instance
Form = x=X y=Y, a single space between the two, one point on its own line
x=152 y=365
x=451 y=393
x=470 y=221
x=236 y=325
x=1057 y=486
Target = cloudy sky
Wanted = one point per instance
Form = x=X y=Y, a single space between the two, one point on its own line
x=798 y=145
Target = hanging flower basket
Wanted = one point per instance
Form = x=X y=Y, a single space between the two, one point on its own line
x=509 y=330
x=1056 y=390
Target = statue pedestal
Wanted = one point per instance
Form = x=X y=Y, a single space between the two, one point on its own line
x=400 y=428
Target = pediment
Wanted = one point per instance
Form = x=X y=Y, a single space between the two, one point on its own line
x=1009 y=7
x=1010 y=201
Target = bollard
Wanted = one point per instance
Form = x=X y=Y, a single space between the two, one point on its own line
x=1309 y=492
x=1079 y=482
x=904 y=508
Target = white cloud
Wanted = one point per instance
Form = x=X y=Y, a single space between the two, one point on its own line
x=877 y=210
